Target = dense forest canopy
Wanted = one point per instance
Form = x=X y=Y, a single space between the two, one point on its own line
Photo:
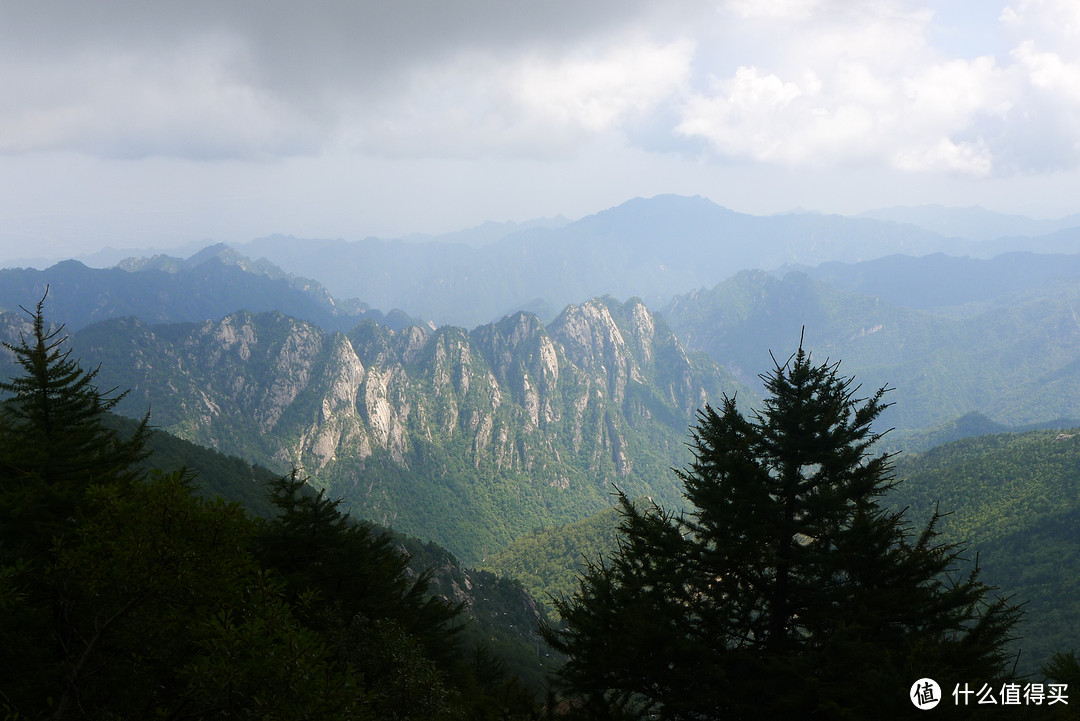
x=125 y=595
x=605 y=388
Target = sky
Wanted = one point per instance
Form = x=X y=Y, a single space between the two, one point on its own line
x=152 y=125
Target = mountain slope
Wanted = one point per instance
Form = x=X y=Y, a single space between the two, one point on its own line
x=1014 y=499
x=211 y=284
x=938 y=281
x=973 y=223
x=650 y=248
x=1016 y=362
x=467 y=438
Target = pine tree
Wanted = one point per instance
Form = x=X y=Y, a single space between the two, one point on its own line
x=787 y=589
x=383 y=621
x=358 y=571
x=54 y=439
x=122 y=597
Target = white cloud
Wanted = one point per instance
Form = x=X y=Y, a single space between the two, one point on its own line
x=533 y=105
x=789 y=82
x=946 y=156
x=869 y=86
x=1056 y=20
x=741 y=118
x=1049 y=72
x=852 y=114
x=797 y=10
x=594 y=93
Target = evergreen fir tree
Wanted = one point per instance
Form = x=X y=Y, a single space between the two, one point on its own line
x=353 y=586
x=357 y=571
x=54 y=442
x=786 y=590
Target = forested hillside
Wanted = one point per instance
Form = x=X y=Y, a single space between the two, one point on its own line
x=1011 y=500
x=465 y=438
x=549 y=561
x=1015 y=362
x=127 y=595
x=505 y=443
x=1014 y=499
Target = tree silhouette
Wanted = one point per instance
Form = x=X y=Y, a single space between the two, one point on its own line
x=54 y=438
x=786 y=590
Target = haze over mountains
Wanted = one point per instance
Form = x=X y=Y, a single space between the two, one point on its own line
x=906 y=314
x=160 y=289
x=972 y=223
x=653 y=249
x=473 y=388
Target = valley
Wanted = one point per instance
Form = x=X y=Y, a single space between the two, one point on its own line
x=503 y=441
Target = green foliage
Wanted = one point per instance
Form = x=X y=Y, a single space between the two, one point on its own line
x=53 y=443
x=1016 y=498
x=379 y=618
x=503 y=627
x=137 y=598
x=787 y=580
x=356 y=572
x=214 y=474
x=154 y=603
x=548 y=562
x=378 y=621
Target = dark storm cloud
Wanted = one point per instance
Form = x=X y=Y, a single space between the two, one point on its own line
x=244 y=79
x=785 y=81
x=301 y=46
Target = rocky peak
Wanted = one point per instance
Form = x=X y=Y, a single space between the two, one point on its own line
x=594 y=342
x=517 y=339
x=523 y=358
x=563 y=411
x=642 y=330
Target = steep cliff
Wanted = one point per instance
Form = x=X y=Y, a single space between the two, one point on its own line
x=467 y=438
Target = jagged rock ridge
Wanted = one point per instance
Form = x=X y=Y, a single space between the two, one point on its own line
x=468 y=438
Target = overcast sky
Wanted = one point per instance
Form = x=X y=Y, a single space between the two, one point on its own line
x=138 y=124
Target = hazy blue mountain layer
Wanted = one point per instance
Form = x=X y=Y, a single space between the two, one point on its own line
x=941 y=282
x=531 y=423
x=653 y=248
x=160 y=289
x=972 y=223
x=1016 y=361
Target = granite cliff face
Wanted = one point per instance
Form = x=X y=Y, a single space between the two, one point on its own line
x=468 y=438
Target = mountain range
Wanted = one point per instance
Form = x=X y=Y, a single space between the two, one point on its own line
x=973 y=223
x=519 y=424
x=467 y=420
x=502 y=428
x=245 y=357
x=162 y=289
x=653 y=249
x=1015 y=360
